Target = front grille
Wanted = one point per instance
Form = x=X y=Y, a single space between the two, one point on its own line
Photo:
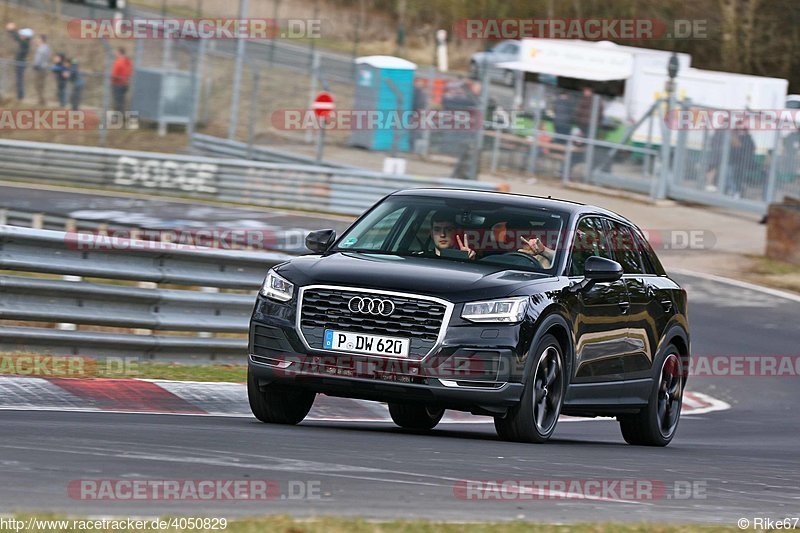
x=414 y=318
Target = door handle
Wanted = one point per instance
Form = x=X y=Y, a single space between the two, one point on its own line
x=667 y=305
x=624 y=306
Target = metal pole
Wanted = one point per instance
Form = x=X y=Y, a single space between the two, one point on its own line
x=495 y=149
x=197 y=83
x=660 y=190
x=276 y=4
x=475 y=166
x=320 y=140
x=106 y=93
x=769 y=191
x=537 y=123
x=237 y=75
x=251 y=127
x=309 y=135
x=565 y=172
x=591 y=135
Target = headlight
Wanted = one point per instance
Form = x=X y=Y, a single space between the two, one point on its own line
x=277 y=288
x=505 y=310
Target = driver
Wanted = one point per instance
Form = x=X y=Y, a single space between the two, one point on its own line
x=533 y=246
x=445 y=235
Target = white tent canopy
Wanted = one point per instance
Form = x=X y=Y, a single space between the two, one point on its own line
x=573 y=59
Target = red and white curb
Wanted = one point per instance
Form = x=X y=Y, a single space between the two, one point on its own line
x=214 y=399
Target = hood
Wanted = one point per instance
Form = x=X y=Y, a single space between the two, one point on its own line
x=452 y=280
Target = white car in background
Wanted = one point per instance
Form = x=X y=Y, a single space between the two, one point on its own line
x=502 y=52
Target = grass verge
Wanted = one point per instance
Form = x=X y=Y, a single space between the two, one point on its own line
x=42 y=365
x=773 y=273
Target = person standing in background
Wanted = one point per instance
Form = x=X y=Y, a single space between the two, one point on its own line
x=23 y=38
x=41 y=64
x=74 y=77
x=121 y=72
x=61 y=78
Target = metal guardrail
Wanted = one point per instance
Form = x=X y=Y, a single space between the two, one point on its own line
x=315 y=188
x=179 y=312
x=217 y=146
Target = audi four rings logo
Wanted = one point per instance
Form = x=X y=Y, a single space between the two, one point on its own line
x=372 y=306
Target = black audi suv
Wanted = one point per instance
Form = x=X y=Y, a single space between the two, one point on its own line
x=517 y=307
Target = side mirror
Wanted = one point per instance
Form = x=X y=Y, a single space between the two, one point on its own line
x=599 y=269
x=319 y=241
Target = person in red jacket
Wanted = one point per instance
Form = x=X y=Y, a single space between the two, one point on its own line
x=121 y=72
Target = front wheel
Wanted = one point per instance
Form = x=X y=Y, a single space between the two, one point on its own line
x=534 y=418
x=655 y=425
x=412 y=416
x=278 y=404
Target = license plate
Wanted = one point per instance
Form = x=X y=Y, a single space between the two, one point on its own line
x=346 y=341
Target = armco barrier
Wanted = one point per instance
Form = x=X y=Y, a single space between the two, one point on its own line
x=332 y=190
x=178 y=311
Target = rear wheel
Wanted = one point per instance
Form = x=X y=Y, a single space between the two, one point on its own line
x=655 y=425
x=412 y=416
x=278 y=404
x=534 y=418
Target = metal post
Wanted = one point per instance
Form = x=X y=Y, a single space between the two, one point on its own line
x=495 y=149
x=591 y=136
x=251 y=127
x=537 y=124
x=237 y=75
x=722 y=170
x=312 y=93
x=769 y=191
x=320 y=140
x=197 y=82
x=426 y=132
x=475 y=166
x=106 y=93
x=566 y=170
x=659 y=191
x=276 y=4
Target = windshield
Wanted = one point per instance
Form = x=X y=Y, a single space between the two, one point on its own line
x=456 y=230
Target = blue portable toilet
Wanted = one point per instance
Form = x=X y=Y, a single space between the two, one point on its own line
x=374 y=78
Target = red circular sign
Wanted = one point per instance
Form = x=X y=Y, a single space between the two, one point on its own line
x=323 y=104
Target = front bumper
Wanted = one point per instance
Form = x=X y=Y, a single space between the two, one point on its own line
x=476 y=367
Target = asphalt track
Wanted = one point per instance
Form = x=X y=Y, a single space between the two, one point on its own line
x=742 y=462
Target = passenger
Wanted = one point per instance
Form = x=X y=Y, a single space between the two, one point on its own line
x=445 y=235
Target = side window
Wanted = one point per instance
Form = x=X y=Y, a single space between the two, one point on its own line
x=589 y=240
x=626 y=252
x=374 y=237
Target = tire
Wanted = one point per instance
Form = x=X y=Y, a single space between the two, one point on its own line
x=278 y=404
x=412 y=416
x=656 y=424
x=534 y=419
